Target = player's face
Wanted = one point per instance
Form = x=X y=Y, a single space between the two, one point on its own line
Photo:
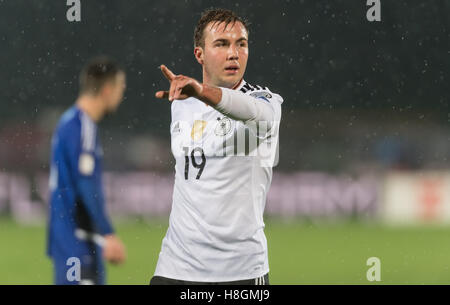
x=225 y=54
x=114 y=94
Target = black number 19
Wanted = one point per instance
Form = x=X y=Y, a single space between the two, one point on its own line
x=201 y=166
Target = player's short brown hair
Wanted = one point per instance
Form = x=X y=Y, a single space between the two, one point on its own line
x=97 y=72
x=215 y=15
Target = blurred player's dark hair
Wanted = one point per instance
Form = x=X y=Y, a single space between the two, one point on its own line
x=97 y=72
x=215 y=15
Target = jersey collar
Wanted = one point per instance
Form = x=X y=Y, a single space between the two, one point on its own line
x=239 y=85
x=85 y=115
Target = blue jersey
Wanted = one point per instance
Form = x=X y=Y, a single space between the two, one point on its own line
x=76 y=200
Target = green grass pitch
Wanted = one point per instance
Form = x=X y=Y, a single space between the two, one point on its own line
x=299 y=253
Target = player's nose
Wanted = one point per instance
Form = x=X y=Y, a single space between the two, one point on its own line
x=232 y=53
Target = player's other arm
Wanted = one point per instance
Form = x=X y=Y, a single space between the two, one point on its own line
x=231 y=103
x=89 y=188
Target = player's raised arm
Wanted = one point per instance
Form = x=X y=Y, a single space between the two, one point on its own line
x=183 y=87
x=231 y=103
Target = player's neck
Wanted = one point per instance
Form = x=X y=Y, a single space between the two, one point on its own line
x=238 y=84
x=91 y=105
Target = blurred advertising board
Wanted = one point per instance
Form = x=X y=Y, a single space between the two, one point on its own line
x=146 y=194
x=416 y=197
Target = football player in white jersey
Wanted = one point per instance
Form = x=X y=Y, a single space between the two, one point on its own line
x=224 y=137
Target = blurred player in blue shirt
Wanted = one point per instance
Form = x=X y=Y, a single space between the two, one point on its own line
x=80 y=234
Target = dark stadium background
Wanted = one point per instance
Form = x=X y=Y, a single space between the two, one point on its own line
x=359 y=97
x=349 y=85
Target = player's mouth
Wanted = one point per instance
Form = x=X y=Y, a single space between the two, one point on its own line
x=233 y=69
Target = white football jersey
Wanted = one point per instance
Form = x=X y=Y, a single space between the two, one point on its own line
x=223 y=172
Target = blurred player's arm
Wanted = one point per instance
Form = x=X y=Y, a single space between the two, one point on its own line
x=90 y=190
x=231 y=103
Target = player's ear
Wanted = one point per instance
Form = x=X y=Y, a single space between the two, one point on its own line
x=198 y=53
x=106 y=90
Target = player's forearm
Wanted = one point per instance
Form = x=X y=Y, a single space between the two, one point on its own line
x=92 y=198
x=210 y=95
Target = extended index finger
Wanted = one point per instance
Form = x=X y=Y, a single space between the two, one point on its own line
x=167 y=73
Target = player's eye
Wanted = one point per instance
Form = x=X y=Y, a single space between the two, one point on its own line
x=243 y=44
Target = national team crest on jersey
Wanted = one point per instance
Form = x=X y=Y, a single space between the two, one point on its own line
x=223 y=127
x=197 y=129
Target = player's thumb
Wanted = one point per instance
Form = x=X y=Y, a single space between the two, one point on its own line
x=162 y=94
